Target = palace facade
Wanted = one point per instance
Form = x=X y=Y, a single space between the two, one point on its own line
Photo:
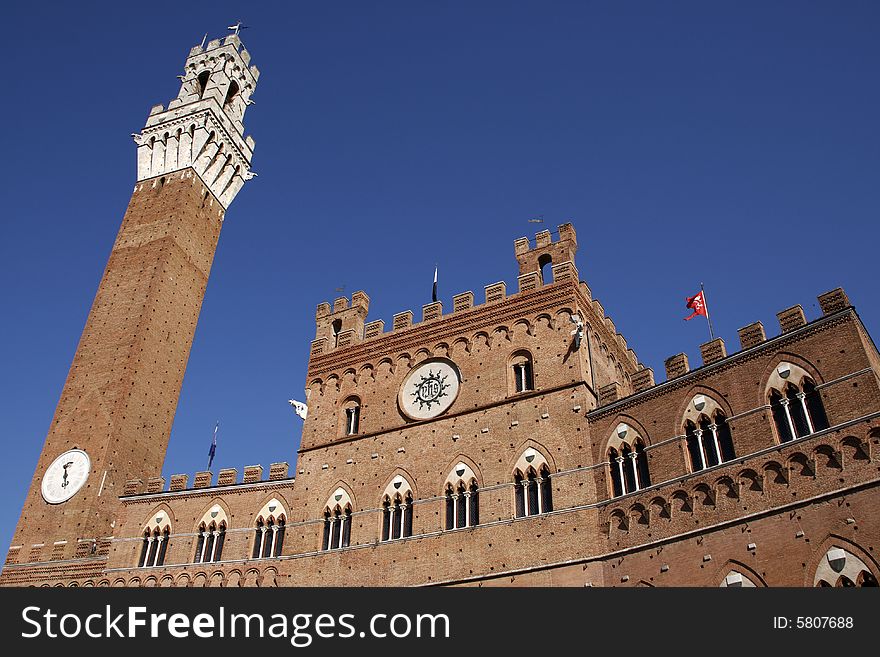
x=512 y=439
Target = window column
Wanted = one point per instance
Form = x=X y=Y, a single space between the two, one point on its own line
x=704 y=461
x=397 y=520
x=151 y=551
x=216 y=536
x=263 y=530
x=785 y=401
x=623 y=490
x=159 y=540
x=346 y=528
x=633 y=455
x=803 y=397
x=714 y=429
x=203 y=541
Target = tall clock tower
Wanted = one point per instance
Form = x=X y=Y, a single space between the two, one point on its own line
x=115 y=414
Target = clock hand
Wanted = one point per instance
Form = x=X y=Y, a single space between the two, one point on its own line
x=64 y=478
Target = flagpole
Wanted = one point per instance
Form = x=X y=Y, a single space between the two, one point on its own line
x=213 y=449
x=706 y=306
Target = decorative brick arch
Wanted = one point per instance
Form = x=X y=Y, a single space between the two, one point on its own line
x=501 y=334
x=800 y=367
x=387 y=485
x=460 y=346
x=691 y=407
x=522 y=327
x=233 y=579
x=615 y=439
x=540 y=324
x=216 y=511
x=348 y=492
x=517 y=460
x=269 y=579
x=450 y=467
x=251 y=577
x=152 y=521
x=264 y=512
x=732 y=567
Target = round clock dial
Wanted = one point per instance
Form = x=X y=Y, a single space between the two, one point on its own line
x=65 y=476
x=429 y=389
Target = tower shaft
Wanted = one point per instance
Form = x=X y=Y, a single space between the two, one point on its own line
x=114 y=418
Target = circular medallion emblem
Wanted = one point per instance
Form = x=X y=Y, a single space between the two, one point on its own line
x=429 y=389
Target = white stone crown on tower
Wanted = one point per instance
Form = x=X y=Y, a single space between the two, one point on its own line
x=202 y=128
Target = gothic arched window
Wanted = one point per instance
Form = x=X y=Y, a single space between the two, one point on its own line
x=795 y=403
x=798 y=412
x=627 y=461
x=211 y=536
x=351 y=416
x=231 y=93
x=269 y=530
x=202 y=82
x=397 y=510
x=209 y=546
x=532 y=485
x=337 y=521
x=522 y=372
x=154 y=545
x=708 y=437
x=709 y=442
x=462 y=504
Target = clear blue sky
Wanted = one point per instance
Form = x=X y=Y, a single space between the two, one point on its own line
x=730 y=143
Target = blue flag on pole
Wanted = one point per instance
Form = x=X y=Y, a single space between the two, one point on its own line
x=213 y=449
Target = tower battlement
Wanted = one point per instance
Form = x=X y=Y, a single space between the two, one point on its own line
x=546 y=252
x=203 y=127
x=340 y=326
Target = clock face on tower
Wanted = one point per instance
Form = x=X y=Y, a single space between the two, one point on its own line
x=65 y=476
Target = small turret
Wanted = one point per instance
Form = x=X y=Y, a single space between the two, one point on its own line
x=547 y=255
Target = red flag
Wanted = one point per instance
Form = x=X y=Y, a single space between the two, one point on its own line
x=698 y=304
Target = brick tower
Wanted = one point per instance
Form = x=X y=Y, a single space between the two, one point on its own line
x=114 y=417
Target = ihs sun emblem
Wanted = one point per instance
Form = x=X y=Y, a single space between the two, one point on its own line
x=430 y=389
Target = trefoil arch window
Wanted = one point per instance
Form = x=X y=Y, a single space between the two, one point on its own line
x=533 y=490
x=269 y=531
x=337 y=521
x=397 y=510
x=209 y=546
x=627 y=461
x=795 y=403
x=461 y=498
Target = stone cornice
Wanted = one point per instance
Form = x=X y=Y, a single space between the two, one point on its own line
x=203 y=109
